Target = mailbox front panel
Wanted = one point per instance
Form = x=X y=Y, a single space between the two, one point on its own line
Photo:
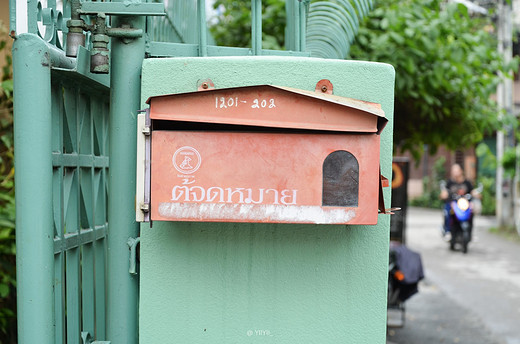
x=264 y=177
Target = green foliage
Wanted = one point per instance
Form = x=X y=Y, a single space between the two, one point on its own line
x=511 y=154
x=447 y=68
x=487 y=180
x=488 y=195
x=7 y=209
x=509 y=161
x=233 y=25
x=431 y=187
x=487 y=158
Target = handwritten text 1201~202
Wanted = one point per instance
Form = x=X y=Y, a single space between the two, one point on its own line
x=229 y=102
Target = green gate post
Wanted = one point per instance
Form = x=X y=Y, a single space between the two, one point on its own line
x=33 y=174
x=126 y=60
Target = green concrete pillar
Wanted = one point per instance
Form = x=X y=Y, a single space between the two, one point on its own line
x=267 y=283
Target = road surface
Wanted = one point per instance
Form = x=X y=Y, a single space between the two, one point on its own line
x=472 y=298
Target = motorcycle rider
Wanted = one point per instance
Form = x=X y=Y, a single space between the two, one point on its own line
x=456 y=185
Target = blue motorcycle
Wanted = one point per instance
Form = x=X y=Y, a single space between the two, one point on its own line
x=461 y=220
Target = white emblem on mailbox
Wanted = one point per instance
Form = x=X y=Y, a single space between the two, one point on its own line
x=186 y=160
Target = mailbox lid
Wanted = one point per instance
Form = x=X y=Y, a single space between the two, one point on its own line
x=260 y=177
x=270 y=106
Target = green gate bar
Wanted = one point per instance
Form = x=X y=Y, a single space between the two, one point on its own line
x=201 y=18
x=296 y=25
x=256 y=27
x=126 y=60
x=32 y=61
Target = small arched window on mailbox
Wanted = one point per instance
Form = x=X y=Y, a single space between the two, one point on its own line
x=340 y=180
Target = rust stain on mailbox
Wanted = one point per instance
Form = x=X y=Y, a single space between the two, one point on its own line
x=283 y=155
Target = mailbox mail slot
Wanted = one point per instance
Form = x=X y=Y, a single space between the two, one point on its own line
x=262 y=154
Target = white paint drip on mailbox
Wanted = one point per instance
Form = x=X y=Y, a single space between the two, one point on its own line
x=260 y=212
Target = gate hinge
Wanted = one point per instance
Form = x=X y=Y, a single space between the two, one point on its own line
x=132 y=244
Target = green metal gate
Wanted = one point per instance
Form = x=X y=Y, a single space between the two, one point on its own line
x=75 y=151
x=80 y=173
x=61 y=135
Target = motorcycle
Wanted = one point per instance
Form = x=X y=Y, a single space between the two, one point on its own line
x=405 y=270
x=461 y=219
x=461 y=222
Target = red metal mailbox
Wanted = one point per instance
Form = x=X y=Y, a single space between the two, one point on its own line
x=261 y=154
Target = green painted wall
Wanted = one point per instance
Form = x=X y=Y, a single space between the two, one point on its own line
x=267 y=283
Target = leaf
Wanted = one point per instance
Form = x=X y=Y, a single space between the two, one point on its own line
x=6 y=224
x=4 y=290
x=384 y=23
x=397 y=37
